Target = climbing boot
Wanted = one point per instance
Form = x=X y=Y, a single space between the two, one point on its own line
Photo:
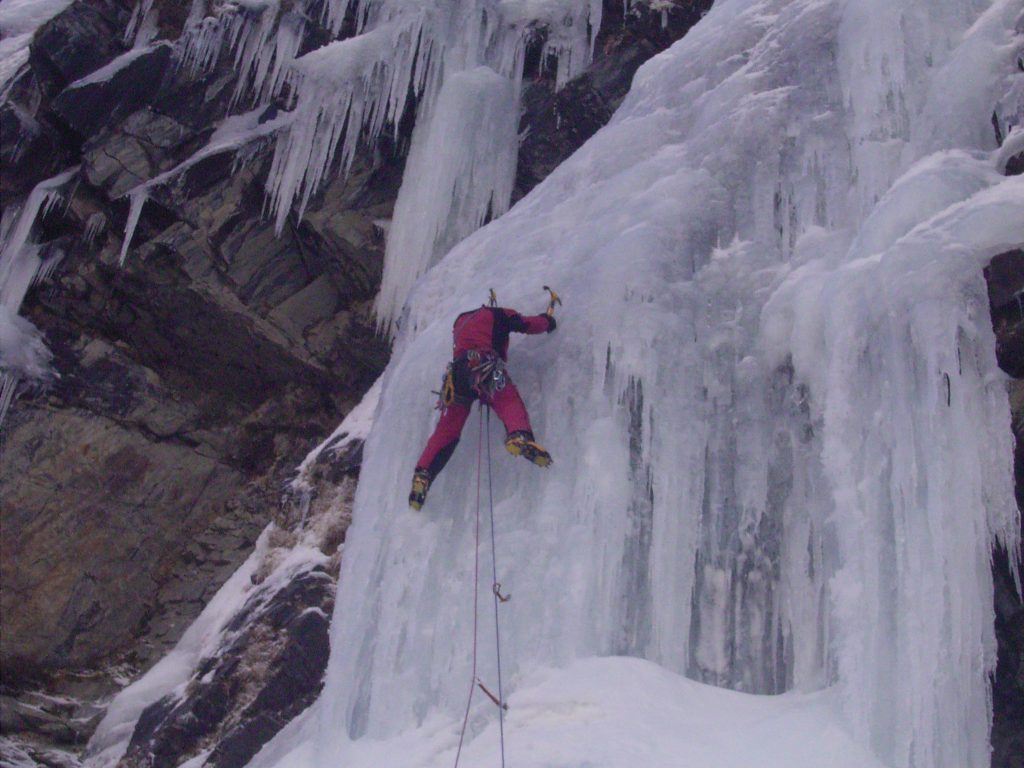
x=523 y=444
x=420 y=485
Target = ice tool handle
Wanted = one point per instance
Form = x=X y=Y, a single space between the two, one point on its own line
x=552 y=302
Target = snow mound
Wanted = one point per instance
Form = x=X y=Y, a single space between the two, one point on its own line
x=620 y=712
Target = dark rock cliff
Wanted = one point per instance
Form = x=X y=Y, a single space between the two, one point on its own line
x=191 y=380
x=1005 y=278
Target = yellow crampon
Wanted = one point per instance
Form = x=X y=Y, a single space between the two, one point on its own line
x=523 y=444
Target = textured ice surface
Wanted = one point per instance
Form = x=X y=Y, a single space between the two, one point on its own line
x=781 y=440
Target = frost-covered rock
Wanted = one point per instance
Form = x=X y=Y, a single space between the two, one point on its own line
x=255 y=657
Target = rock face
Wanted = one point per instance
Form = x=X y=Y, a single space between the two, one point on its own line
x=191 y=380
x=270 y=663
x=1005 y=278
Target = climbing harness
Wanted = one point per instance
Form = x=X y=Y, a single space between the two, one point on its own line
x=488 y=373
x=476 y=682
x=487 y=376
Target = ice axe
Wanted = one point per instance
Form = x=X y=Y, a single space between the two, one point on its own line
x=554 y=300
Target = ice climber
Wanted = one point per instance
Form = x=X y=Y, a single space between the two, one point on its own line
x=477 y=371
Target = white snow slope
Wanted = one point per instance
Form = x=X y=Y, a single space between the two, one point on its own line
x=781 y=440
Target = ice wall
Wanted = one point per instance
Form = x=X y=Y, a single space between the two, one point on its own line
x=781 y=440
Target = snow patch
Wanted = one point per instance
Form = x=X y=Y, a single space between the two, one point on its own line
x=107 y=72
x=616 y=713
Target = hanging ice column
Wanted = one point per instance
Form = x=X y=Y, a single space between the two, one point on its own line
x=781 y=440
x=460 y=172
x=23 y=355
x=463 y=61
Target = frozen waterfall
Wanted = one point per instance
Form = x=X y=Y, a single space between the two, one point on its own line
x=781 y=440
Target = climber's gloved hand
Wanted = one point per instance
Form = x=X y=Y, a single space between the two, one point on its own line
x=551 y=323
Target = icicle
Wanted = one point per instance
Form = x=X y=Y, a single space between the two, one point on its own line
x=148 y=29
x=13 y=253
x=47 y=267
x=95 y=224
x=270 y=79
x=334 y=13
x=141 y=26
x=137 y=198
x=253 y=41
x=356 y=85
x=263 y=39
x=460 y=170
x=8 y=383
